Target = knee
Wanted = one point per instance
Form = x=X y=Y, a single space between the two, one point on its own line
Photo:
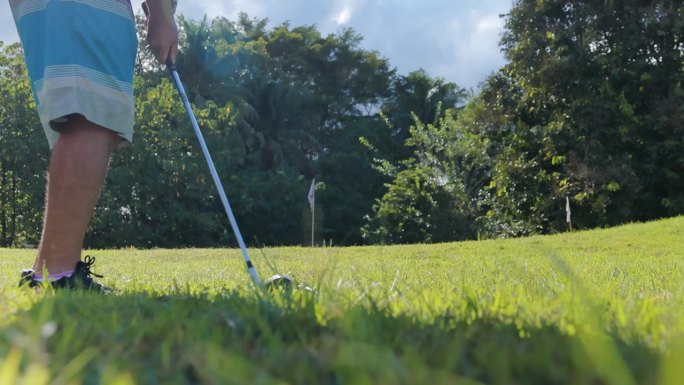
x=79 y=131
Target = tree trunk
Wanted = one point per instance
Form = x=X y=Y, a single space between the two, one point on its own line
x=13 y=215
x=3 y=205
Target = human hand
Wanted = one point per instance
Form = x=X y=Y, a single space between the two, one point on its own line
x=162 y=32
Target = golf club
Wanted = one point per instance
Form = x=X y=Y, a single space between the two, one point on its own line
x=212 y=169
x=276 y=280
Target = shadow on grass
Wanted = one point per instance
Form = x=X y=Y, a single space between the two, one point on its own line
x=246 y=338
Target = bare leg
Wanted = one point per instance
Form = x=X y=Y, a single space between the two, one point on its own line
x=77 y=171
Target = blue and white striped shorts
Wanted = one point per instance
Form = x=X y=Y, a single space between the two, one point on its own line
x=80 y=56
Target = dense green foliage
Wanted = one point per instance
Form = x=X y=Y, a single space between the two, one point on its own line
x=597 y=307
x=593 y=100
x=590 y=107
x=23 y=153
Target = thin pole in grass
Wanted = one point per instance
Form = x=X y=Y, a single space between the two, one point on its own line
x=568 y=218
x=312 y=203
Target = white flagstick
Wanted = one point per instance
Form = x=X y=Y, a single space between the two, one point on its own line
x=312 y=203
x=567 y=212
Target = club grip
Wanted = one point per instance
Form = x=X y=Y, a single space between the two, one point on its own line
x=169 y=63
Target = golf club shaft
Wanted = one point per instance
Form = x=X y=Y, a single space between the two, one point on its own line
x=214 y=174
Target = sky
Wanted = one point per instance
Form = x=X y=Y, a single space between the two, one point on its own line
x=453 y=39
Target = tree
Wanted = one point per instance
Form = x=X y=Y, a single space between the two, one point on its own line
x=23 y=153
x=596 y=116
x=301 y=100
x=418 y=95
x=159 y=191
x=431 y=198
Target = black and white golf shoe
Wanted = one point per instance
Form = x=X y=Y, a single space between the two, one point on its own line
x=80 y=280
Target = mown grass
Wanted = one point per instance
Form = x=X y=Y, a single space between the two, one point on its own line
x=596 y=307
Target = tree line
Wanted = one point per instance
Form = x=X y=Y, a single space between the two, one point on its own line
x=589 y=107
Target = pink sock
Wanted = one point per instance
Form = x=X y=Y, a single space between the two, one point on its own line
x=53 y=277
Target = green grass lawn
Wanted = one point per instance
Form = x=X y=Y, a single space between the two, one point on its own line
x=595 y=307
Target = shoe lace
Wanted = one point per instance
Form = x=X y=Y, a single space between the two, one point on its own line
x=88 y=262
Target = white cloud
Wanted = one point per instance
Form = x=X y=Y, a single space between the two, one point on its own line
x=343 y=16
x=345 y=10
x=475 y=53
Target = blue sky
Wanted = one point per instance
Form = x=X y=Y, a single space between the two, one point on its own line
x=453 y=39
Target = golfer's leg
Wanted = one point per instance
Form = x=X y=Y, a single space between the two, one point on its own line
x=77 y=171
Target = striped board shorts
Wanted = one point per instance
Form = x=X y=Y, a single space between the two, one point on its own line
x=80 y=56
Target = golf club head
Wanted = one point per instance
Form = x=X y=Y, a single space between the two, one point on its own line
x=279 y=282
x=284 y=282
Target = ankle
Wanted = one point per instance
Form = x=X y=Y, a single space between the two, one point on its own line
x=53 y=268
x=53 y=277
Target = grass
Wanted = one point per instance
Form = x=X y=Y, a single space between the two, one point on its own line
x=594 y=307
